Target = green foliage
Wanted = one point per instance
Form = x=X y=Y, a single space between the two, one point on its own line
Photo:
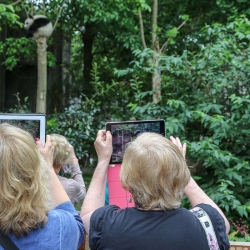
x=21 y=108
x=76 y=124
x=8 y=16
x=234 y=236
x=240 y=231
x=51 y=60
x=204 y=82
x=80 y=121
x=16 y=49
x=205 y=100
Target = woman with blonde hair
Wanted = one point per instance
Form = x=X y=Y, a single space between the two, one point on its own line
x=33 y=203
x=154 y=170
x=64 y=155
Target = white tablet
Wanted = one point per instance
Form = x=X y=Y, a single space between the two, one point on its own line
x=35 y=124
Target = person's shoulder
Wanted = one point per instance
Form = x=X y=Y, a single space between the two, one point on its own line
x=105 y=211
x=61 y=216
x=108 y=208
x=61 y=178
x=63 y=210
x=218 y=224
x=102 y=216
x=65 y=219
x=209 y=210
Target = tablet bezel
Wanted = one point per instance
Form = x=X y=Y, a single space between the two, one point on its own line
x=40 y=117
x=162 y=129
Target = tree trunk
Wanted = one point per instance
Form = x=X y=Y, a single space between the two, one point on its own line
x=88 y=40
x=156 y=81
x=42 y=75
x=156 y=77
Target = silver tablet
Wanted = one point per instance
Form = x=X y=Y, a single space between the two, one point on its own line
x=35 y=124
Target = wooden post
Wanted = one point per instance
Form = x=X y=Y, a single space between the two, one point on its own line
x=42 y=75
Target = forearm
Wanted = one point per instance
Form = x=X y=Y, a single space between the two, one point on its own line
x=196 y=196
x=95 y=197
x=77 y=176
x=57 y=191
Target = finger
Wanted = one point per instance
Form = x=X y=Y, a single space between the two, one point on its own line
x=178 y=142
x=39 y=144
x=101 y=135
x=173 y=140
x=48 y=140
x=109 y=138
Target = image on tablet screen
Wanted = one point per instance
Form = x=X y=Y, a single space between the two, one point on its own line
x=124 y=133
x=32 y=126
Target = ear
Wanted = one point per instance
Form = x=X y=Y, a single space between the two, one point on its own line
x=30 y=16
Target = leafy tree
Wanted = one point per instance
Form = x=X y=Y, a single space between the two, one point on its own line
x=204 y=71
x=8 y=16
x=205 y=100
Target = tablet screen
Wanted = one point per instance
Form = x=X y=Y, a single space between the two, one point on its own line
x=35 y=124
x=124 y=132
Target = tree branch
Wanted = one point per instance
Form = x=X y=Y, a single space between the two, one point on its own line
x=142 y=30
x=59 y=15
x=164 y=46
x=32 y=8
x=182 y=24
x=44 y=8
x=27 y=14
x=18 y=1
x=155 y=43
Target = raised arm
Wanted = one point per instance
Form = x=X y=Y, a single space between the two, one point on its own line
x=96 y=193
x=194 y=193
x=77 y=176
x=58 y=193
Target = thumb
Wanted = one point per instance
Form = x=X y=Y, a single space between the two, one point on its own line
x=109 y=138
x=39 y=144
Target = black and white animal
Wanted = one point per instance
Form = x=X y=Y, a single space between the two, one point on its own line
x=38 y=26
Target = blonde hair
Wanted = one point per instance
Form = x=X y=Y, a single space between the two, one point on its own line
x=25 y=198
x=63 y=149
x=155 y=172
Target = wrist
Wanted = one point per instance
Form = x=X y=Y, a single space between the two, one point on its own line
x=102 y=163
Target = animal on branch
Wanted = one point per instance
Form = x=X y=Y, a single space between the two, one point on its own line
x=38 y=26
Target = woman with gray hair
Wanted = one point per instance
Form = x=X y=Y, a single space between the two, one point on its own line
x=64 y=156
x=154 y=170
x=35 y=211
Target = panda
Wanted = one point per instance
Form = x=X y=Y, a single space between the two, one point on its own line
x=38 y=26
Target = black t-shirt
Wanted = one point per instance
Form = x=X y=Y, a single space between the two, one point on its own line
x=112 y=228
